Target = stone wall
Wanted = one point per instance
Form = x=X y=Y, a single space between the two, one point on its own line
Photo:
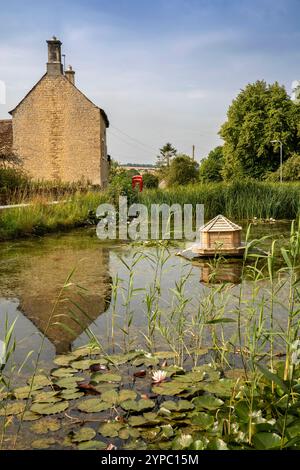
x=58 y=133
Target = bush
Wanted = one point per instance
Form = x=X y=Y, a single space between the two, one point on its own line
x=121 y=185
x=183 y=170
x=150 y=180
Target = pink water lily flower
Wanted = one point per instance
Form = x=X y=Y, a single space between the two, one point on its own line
x=159 y=376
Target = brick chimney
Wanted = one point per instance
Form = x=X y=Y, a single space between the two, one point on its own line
x=54 y=65
x=70 y=74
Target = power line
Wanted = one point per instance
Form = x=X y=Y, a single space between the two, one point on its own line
x=131 y=143
x=134 y=139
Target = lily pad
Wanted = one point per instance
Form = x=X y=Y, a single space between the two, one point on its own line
x=63 y=372
x=208 y=402
x=71 y=394
x=167 y=431
x=44 y=443
x=68 y=382
x=87 y=363
x=137 y=420
x=30 y=416
x=181 y=405
x=46 y=397
x=64 y=359
x=127 y=432
x=84 y=434
x=266 y=440
x=39 y=381
x=217 y=444
x=48 y=408
x=93 y=405
x=23 y=392
x=190 y=377
x=113 y=397
x=13 y=408
x=165 y=354
x=106 y=377
x=169 y=388
x=138 y=406
x=182 y=442
x=86 y=351
x=147 y=361
x=110 y=429
x=203 y=421
x=43 y=426
x=92 y=445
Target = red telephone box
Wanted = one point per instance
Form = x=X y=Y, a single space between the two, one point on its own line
x=137 y=179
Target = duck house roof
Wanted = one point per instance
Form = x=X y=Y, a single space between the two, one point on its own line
x=220 y=224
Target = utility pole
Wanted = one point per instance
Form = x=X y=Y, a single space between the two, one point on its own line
x=193 y=152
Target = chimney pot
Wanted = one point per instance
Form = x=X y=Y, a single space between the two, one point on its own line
x=70 y=74
x=54 y=65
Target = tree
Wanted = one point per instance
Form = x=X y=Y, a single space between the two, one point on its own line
x=212 y=166
x=183 y=170
x=166 y=153
x=290 y=170
x=260 y=113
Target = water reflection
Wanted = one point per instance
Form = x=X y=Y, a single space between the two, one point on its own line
x=36 y=280
x=227 y=271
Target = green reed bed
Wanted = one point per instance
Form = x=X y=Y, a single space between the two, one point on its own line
x=43 y=217
x=240 y=200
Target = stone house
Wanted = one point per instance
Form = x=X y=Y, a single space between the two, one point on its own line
x=56 y=131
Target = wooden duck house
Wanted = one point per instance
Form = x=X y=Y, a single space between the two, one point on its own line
x=219 y=236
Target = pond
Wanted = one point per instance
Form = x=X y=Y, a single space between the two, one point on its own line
x=33 y=273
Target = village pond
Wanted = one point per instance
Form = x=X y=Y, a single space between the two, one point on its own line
x=162 y=342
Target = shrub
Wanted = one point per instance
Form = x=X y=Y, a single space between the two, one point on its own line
x=183 y=170
x=150 y=180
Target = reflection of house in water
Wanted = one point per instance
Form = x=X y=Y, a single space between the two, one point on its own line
x=224 y=272
x=40 y=281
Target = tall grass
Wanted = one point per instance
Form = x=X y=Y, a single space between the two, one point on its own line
x=240 y=200
x=41 y=217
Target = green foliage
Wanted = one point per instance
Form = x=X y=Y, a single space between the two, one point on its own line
x=290 y=170
x=121 y=185
x=150 y=180
x=166 y=153
x=183 y=170
x=211 y=167
x=260 y=113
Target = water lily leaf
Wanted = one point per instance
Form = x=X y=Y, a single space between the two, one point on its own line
x=63 y=372
x=222 y=387
x=68 y=382
x=169 y=388
x=146 y=361
x=182 y=442
x=93 y=405
x=71 y=394
x=266 y=441
x=87 y=363
x=138 y=406
x=167 y=431
x=191 y=377
x=165 y=354
x=211 y=374
x=12 y=408
x=39 y=381
x=127 y=432
x=64 y=359
x=45 y=425
x=106 y=377
x=48 y=408
x=217 y=444
x=273 y=377
x=92 y=445
x=197 y=445
x=110 y=429
x=105 y=386
x=181 y=405
x=111 y=396
x=207 y=402
x=137 y=421
x=44 y=443
x=150 y=434
x=86 y=351
x=84 y=434
x=46 y=397
x=203 y=421
x=30 y=416
x=24 y=392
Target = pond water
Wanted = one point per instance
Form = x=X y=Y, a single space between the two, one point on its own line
x=33 y=273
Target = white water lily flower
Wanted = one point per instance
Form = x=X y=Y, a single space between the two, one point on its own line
x=159 y=376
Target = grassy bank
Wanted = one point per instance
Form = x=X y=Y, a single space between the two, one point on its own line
x=240 y=200
x=42 y=217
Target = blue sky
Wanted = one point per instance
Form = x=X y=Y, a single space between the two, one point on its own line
x=163 y=70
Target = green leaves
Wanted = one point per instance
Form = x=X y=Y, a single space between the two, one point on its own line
x=138 y=406
x=266 y=441
x=107 y=377
x=48 y=408
x=93 y=405
x=178 y=406
x=84 y=434
x=273 y=377
x=208 y=402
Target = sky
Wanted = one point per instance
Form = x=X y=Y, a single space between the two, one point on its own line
x=163 y=70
